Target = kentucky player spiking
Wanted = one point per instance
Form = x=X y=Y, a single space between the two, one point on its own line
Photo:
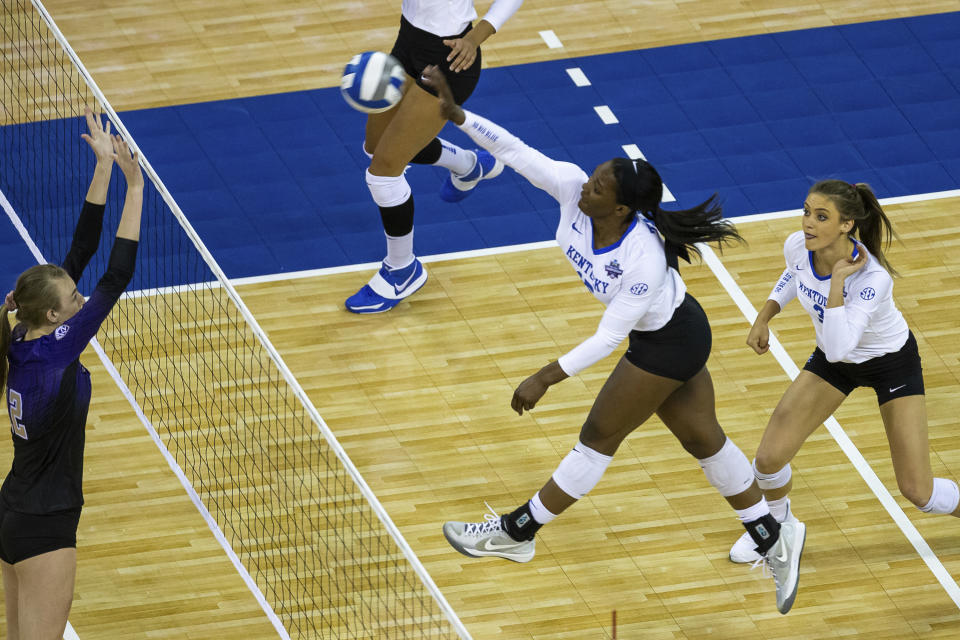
x=624 y=248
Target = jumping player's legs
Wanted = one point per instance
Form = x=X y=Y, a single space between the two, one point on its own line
x=437 y=151
x=407 y=134
x=690 y=414
x=415 y=121
x=616 y=412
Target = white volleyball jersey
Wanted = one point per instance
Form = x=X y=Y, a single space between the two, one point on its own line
x=450 y=17
x=630 y=277
x=868 y=325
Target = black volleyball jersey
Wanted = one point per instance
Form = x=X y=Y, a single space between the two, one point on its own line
x=48 y=390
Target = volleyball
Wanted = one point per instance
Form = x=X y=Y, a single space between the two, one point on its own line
x=372 y=82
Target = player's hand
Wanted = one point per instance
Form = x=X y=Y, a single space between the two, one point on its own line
x=846 y=267
x=129 y=162
x=528 y=394
x=759 y=337
x=99 y=137
x=463 y=52
x=449 y=109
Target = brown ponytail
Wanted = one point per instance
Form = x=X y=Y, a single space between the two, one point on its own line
x=857 y=202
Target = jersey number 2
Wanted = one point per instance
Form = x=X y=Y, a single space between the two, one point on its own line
x=15 y=404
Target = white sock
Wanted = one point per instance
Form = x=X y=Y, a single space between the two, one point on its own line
x=539 y=512
x=779 y=508
x=755 y=512
x=399 y=251
x=456 y=159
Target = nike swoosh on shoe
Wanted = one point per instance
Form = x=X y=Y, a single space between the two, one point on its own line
x=401 y=287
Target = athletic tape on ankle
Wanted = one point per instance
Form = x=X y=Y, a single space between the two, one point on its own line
x=769 y=481
x=728 y=470
x=945 y=497
x=581 y=470
x=388 y=191
x=539 y=512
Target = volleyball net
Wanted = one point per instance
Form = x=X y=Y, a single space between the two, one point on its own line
x=322 y=556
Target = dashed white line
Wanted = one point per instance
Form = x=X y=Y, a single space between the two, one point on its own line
x=606 y=114
x=633 y=152
x=551 y=39
x=578 y=76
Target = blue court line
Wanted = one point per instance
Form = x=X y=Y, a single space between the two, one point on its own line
x=275 y=183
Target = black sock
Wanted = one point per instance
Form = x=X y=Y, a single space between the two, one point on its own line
x=764 y=531
x=398 y=220
x=429 y=154
x=520 y=524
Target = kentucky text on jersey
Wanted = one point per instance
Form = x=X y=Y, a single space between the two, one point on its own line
x=816 y=296
x=585 y=269
x=630 y=277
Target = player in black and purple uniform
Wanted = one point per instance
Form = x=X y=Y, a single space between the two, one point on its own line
x=48 y=394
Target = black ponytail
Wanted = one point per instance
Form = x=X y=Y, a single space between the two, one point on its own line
x=641 y=189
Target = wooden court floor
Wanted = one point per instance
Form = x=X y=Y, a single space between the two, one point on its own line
x=437 y=441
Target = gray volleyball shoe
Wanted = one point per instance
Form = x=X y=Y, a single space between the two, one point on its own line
x=744 y=550
x=783 y=560
x=487 y=538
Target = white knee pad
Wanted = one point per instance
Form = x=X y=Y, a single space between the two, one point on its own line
x=728 y=470
x=580 y=470
x=388 y=191
x=770 y=481
x=945 y=497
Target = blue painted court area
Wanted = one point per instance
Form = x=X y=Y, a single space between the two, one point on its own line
x=276 y=183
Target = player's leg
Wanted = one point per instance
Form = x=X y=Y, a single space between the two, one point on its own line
x=45 y=588
x=11 y=600
x=628 y=398
x=806 y=404
x=461 y=163
x=415 y=122
x=905 y=420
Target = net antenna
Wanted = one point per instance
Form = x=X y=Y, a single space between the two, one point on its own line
x=315 y=546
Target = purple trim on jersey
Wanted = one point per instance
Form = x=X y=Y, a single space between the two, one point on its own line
x=856 y=252
x=616 y=244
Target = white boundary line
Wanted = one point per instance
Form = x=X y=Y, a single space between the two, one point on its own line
x=839 y=435
x=332 y=441
x=920 y=197
x=69 y=633
x=492 y=251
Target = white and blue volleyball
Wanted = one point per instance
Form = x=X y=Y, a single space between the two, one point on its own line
x=372 y=82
